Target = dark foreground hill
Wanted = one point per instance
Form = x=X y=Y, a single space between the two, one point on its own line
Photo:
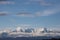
x=28 y=38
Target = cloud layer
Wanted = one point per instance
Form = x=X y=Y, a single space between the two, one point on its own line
x=3 y=0
x=3 y=13
x=6 y=2
x=41 y=2
x=46 y=12
x=25 y=14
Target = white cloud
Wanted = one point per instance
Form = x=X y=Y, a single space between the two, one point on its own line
x=47 y=12
x=25 y=14
x=44 y=13
x=7 y=2
x=45 y=3
x=41 y=2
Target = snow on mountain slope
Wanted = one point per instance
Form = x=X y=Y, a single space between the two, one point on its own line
x=29 y=32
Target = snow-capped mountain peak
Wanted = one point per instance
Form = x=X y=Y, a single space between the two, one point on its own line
x=29 y=32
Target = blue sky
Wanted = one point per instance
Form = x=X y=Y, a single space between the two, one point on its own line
x=29 y=13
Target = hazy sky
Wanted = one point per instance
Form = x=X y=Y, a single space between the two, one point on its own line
x=34 y=13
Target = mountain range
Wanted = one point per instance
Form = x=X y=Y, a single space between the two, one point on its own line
x=29 y=32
